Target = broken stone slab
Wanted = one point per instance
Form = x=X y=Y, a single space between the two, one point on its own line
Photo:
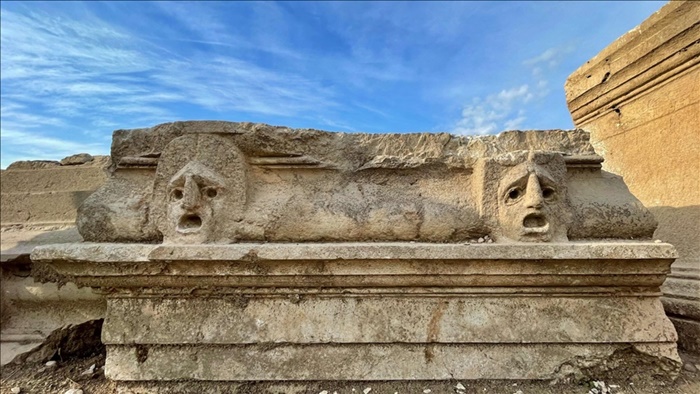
x=384 y=311
x=72 y=341
x=223 y=182
x=77 y=159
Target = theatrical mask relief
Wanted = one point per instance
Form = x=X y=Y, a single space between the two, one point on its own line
x=224 y=182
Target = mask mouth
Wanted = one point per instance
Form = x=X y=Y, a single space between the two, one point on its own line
x=535 y=223
x=189 y=223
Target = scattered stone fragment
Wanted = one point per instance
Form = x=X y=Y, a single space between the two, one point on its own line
x=481 y=240
x=460 y=387
x=77 y=159
x=518 y=392
x=74 y=391
x=689 y=367
x=426 y=391
x=367 y=390
x=51 y=363
x=323 y=392
x=15 y=390
x=91 y=370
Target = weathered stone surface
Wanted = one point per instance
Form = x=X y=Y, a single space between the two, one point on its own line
x=71 y=341
x=254 y=182
x=77 y=159
x=639 y=100
x=125 y=217
x=376 y=361
x=33 y=164
x=238 y=252
x=48 y=195
x=409 y=310
x=414 y=318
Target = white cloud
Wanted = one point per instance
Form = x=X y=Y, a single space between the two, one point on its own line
x=544 y=63
x=20 y=144
x=551 y=57
x=59 y=72
x=494 y=113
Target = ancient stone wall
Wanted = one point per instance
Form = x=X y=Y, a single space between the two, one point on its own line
x=640 y=100
x=39 y=201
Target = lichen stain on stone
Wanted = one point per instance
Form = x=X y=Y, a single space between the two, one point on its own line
x=434 y=331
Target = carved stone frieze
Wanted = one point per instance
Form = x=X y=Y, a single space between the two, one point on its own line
x=223 y=182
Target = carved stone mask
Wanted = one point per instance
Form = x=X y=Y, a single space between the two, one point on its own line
x=195 y=197
x=532 y=200
x=204 y=197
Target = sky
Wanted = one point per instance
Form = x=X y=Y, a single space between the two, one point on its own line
x=73 y=72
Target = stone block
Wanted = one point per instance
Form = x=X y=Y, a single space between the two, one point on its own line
x=383 y=311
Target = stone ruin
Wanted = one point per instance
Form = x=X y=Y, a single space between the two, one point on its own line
x=247 y=252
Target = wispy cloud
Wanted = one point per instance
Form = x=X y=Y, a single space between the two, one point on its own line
x=60 y=74
x=34 y=145
x=542 y=65
x=494 y=113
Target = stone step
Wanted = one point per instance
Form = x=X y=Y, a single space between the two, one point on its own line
x=71 y=178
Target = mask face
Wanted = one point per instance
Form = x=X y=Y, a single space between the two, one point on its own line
x=199 y=190
x=195 y=198
x=532 y=204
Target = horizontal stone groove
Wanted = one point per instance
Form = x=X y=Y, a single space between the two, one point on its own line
x=676 y=296
x=619 y=95
x=541 y=292
x=274 y=345
x=644 y=68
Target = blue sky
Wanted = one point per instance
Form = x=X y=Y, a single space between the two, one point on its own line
x=73 y=72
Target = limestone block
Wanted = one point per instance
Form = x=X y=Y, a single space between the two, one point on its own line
x=640 y=101
x=254 y=182
x=52 y=180
x=414 y=318
x=41 y=208
x=77 y=159
x=33 y=193
x=376 y=311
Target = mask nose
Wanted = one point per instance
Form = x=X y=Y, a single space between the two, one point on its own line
x=191 y=196
x=533 y=193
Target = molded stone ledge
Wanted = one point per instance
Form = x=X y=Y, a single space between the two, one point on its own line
x=348 y=265
x=116 y=252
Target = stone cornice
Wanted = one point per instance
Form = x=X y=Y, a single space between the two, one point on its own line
x=665 y=45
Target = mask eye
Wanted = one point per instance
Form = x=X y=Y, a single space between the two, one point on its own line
x=176 y=194
x=514 y=194
x=210 y=192
x=548 y=193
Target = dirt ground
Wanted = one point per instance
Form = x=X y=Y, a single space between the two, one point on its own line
x=37 y=378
